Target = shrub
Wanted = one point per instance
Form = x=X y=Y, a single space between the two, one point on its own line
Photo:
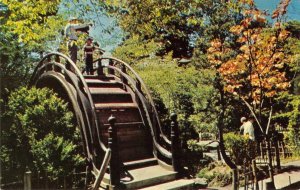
x=241 y=148
x=40 y=135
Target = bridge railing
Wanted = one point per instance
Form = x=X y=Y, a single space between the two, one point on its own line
x=129 y=77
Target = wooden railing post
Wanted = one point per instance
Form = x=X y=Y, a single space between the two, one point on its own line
x=277 y=156
x=27 y=180
x=57 y=59
x=123 y=69
x=48 y=59
x=254 y=170
x=270 y=184
x=113 y=145
x=50 y=66
x=68 y=66
x=175 y=142
x=100 y=68
x=138 y=86
x=111 y=71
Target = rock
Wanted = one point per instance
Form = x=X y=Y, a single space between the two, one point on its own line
x=201 y=183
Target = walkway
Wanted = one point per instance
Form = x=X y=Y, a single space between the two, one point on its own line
x=289 y=175
x=287 y=179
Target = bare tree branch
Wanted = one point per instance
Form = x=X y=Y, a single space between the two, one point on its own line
x=253 y=113
x=269 y=120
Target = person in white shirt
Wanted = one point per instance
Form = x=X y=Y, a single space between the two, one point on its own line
x=249 y=129
x=243 y=121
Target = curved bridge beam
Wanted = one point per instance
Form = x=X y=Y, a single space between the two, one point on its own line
x=58 y=72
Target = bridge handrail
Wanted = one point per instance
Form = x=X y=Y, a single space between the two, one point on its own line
x=102 y=170
x=78 y=73
x=140 y=80
x=161 y=149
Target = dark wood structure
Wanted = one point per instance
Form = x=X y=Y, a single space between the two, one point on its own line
x=119 y=124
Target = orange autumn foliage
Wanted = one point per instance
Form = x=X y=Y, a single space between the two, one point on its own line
x=259 y=62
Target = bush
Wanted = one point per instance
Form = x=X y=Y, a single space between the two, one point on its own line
x=40 y=135
x=217 y=174
x=241 y=148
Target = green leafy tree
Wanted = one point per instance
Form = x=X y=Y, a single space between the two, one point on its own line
x=33 y=22
x=171 y=23
x=16 y=63
x=183 y=89
x=26 y=28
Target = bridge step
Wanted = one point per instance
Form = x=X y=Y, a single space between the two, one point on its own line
x=114 y=97
x=119 y=106
x=103 y=83
x=101 y=77
x=134 y=143
x=140 y=163
x=123 y=115
x=181 y=184
x=112 y=90
x=144 y=177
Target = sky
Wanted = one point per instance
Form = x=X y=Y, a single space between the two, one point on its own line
x=293 y=12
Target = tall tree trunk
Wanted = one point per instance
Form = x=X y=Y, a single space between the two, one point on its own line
x=220 y=125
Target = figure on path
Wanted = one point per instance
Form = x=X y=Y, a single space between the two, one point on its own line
x=248 y=129
x=243 y=121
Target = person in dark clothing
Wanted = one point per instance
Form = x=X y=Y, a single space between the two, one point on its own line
x=72 y=30
x=88 y=50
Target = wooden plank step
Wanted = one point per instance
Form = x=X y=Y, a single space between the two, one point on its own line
x=130 y=139
x=147 y=176
x=120 y=97
x=107 y=91
x=99 y=81
x=115 y=105
x=186 y=184
x=134 y=153
x=101 y=77
x=130 y=126
x=140 y=163
x=122 y=115
x=104 y=84
x=126 y=124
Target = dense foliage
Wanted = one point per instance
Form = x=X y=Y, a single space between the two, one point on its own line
x=38 y=135
x=209 y=61
x=241 y=148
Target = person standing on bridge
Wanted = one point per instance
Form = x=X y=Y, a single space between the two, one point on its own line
x=71 y=31
x=88 y=50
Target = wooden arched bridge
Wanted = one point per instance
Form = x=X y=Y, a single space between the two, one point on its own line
x=120 y=128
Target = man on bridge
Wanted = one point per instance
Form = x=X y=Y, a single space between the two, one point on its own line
x=71 y=31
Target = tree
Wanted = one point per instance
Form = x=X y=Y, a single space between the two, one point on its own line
x=16 y=63
x=34 y=22
x=257 y=71
x=25 y=28
x=171 y=23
